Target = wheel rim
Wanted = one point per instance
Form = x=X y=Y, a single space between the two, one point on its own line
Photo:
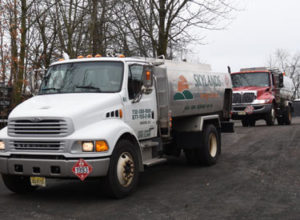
x=213 y=146
x=125 y=169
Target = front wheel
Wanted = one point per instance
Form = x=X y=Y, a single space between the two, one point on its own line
x=18 y=184
x=123 y=170
x=271 y=116
x=209 y=148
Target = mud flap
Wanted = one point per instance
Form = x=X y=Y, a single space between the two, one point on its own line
x=227 y=127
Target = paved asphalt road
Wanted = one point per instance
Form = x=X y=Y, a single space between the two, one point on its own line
x=257 y=177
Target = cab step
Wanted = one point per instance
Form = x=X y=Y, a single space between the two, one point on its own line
x=154 y=161
x=147 y=144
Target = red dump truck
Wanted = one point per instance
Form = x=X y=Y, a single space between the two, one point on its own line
x=262 y=93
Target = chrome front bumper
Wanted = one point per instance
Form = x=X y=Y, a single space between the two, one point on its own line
x=260 y=109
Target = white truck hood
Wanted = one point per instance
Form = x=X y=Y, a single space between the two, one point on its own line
x=82 y=108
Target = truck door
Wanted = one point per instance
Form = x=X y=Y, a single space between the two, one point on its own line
x=140 y=108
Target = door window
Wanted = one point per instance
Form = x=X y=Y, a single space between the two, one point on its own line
x=135 y=81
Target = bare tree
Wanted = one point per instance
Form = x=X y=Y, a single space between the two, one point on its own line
x=169 y=22
x=34 y=33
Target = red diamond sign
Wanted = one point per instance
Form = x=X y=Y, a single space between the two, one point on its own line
x=82 y=169
x=249 y=109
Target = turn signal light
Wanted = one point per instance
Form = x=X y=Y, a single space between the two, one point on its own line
x=148 y=75
x=101 y=146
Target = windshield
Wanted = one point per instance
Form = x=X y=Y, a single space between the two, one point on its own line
x=250 y=79
x=83 y=77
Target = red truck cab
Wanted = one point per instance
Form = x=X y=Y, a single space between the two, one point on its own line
x=258 y=94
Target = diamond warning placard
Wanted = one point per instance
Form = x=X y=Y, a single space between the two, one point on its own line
x=82 y=169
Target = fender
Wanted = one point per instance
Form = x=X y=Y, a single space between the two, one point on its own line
x=3 y=133
x=110 y=130
x=195 y=123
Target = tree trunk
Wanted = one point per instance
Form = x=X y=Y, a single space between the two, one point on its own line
x=162 y=38
x=21 y=69
x=14 y=52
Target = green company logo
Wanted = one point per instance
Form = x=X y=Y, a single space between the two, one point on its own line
x=183 y=90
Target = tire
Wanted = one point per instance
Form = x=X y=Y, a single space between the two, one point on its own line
x=287 y=116
x=245 y=122
x=18 y=184
x=271 y=116
x=280 y=120
x=252 y=123
x=209 y=150
x=123 y=173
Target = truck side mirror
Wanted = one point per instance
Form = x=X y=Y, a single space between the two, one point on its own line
x=148 y=76
x=280 y=80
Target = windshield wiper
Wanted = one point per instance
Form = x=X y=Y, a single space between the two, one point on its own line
x=89 y=87
x=52 y=88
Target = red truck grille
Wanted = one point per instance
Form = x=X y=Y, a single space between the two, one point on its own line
x=246 y=97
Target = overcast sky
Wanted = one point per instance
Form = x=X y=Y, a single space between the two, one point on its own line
x=256 y=32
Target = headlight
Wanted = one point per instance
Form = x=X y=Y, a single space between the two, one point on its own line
x=92 y=146
x=2 y=145
x=88 y=146
x=261 y=101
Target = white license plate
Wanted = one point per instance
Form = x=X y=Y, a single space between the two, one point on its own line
x=242 y=113
x=38 y=181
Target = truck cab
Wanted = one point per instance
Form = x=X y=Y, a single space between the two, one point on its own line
x=261 y=93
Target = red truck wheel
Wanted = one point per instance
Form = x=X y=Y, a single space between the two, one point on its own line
x=287 y=116
x=271 y=116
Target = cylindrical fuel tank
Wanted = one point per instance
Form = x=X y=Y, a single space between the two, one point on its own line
x=288 y=88
x=194 y=89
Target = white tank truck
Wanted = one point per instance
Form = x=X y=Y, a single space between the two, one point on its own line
x=111 y=117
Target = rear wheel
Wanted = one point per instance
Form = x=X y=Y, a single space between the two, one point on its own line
x=209 y=149
x=280 y=120
x=271 y=116
x=18 y=184
x=123 y=170
x=287 y=116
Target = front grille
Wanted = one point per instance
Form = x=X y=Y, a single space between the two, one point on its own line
x=236 y=98
x=248 y=97
x=37 y=145
x=39 y=127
